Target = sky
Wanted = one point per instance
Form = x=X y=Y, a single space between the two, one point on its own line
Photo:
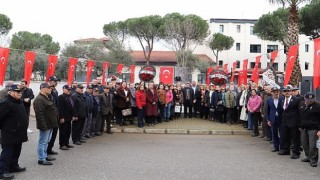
x=69 y=20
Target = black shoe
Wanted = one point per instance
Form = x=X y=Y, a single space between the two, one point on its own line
x=98 y=134
x=109 y=132
x=50 y=159
x=44 y=162
x=18 y=169
x=6 y=176
x=305 y=160
x=254 y=135
x=70 y=146
x=314 y=164
x=295 y=156
x=77 y=143
x=274 y=150
x=262 y=136
x=282 y=152
x=64 y=148
x=87 y=136
x=52 y=152
x=82 y=141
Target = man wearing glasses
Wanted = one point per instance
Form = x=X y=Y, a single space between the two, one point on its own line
x=13 y=125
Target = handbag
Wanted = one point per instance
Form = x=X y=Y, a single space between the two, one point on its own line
x=127 y=112
x=177 y=109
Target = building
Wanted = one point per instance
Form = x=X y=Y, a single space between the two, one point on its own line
x=247 y=46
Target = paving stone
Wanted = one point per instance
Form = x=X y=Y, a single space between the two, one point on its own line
x=177 y=131
x=116 y=130
x=199 y=132
x=241 y=132
x=221 y=132
x=133 y=130
x=155 y=131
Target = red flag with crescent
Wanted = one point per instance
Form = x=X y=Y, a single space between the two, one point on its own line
x=105 y=67
x=234 y=66
x=71 y=69
x=240 y=78
x=316 y=71
x=90 y=66
x=255 y=71
x=52 y=63
x=166 y=75
x=274 y=55
x=120 y=68
x=225 y=68
x=4 y=58
x=209 y=70
x=291 y=59
x=28 y=65
x=132 y=69
x=245 y=71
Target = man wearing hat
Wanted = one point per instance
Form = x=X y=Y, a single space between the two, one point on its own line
x=296 y=93
x=290 y=119
x=4 y=91
x=274 y=117
x=89 y=101
x=53 y=81
x=13 y=125
x=46 y=116
x=66 y=115
x=310 y=125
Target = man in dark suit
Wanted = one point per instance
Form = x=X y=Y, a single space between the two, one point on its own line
x=289 y=128
x=107 y=104
x=188 y=97
x=274 y=116
x=195 y=97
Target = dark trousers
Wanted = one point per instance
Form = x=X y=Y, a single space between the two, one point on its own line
x=231 y=115
x=256 y=116
x=107 y=119
x=309 y=143
x=196 y=107
x=141 y=114
x=161 y=108
x=276 y=131
x=98 y=123
x=288 y=134
x=77 y=127
x=185 y=107
x=53 y=139
x=9 y=157
x=27 y=108
x=65 y=132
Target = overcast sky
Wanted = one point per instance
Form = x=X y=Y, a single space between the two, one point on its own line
x=68 y=20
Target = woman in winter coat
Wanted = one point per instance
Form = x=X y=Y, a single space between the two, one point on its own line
x=169 y=99
x=151 y=105
x=141 y=104
x=254 y=105
x=123 y=101
x=242 y=105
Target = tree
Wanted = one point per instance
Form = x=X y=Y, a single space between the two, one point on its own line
x=219 y=42
x=147 y=30
x=180 y=32
x=117 y=31
x=5 y=25
x=310 y=19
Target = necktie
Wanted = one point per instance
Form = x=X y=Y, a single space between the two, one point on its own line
x=287 y=103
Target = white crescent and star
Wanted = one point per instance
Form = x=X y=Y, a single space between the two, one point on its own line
x=291 y=58
x=318 y=53
x=72 y=67
x=51 y=66
x=2 y=60
x=166 y=73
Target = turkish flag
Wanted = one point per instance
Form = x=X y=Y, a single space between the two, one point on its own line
x=240 y=78
x=245 y=71
x=132 y=68
x=28 y=65
x=291 y=59
x=71 y=69
x=90 y=66
x=225 y=68
x=209 y=70
x=217 y=67
x=316 y=66
x=52 y=62
x=274 y=55
x=4 y=58
x=105 y=67
x=120 y=68
x=166 y=75
x=234 y=66
x=255 y=72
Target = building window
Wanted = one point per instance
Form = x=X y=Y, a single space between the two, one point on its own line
x=238 y=64
x=220 y=63
x=251 y=30
x=306 y=66
x=255 y=48
x=201 y=78
x=306 y=47
x=284 y=65
x=271 y=48
x=221 y=28
x=237 y=46
x=189 y=77
x=275 y=66
x=238 y=29
x=252 y=64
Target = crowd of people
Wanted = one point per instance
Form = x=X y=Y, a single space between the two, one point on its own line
x=287 y=118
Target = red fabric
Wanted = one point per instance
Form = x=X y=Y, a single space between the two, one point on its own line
x=217 y=67
x=234 y=66
x=72 y=69
x=52 y=63
x=28 y=65
x=240 y=78
x=255 y=72
x=4 y=58
x=120 y=68
x=274 y=55
x=105 y=67
x=245 y=71
x=141 y=98
x=291 y=59
x=225 y=68
x=166 y=75
x=132 y=68
x=90 y=66
x=316 y=66
x=209 y=70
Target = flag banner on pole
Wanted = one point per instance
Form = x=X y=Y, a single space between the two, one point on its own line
x=274 y=55
x=245 y=71
x=166 y=75
x=90 y=66
x=28 y=65
x=225 y=68
x=255 y=71
x=4 y=58
x=120 y=68
x=105 y=67
x=209 y=70
x=291 y=59
x=71 y=69
x=132 y=69
x=234 y=66
x=316 y=66
x=52 y=63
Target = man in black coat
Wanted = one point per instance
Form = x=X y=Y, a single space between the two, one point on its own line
x=188 y=97
x=27 y=96
x=289 y=128
x=13 y=125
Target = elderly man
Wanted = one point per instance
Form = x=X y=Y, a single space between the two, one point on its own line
x=309 y=126
x=4 y=92
x=14 y=124
x=46 y=116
